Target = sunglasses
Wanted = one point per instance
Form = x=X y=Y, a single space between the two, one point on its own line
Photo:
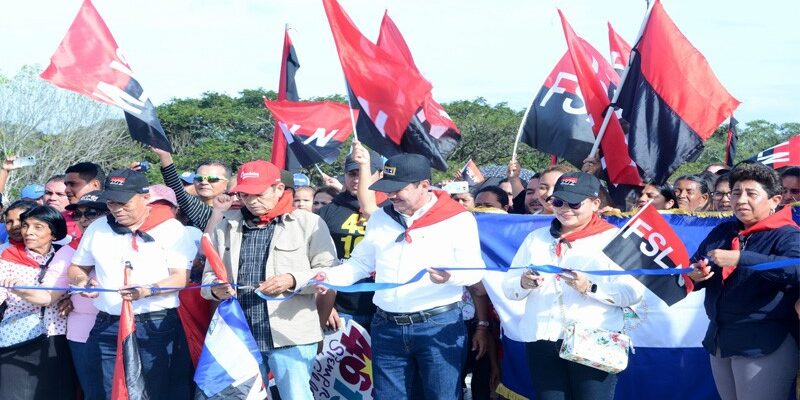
x=87 y=214
x=209 y=179
x=558 y=203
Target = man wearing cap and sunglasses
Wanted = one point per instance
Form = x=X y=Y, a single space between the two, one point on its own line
x=155 y=246
x=417 y=328
x=269 y=247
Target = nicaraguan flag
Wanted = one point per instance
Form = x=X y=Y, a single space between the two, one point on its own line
x=229 y=365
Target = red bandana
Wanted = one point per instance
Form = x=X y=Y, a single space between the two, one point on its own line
x=596 y=225
x=18 y=255
x=777 y=220
x=444 y=208
x=284 y=206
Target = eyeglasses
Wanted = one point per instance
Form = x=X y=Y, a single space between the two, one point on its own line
x=719 y=195
x=558 y=203
x=209 y=178
x=794 y=192
x=87 y=214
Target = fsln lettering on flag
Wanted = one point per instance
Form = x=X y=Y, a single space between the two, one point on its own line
x=786 y=154
x=88 y=61
x=648 y=242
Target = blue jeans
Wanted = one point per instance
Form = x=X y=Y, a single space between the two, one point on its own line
x=555 y=378
x=291 y=368
x=166 y=364
x=83 y=368
x=433 y=349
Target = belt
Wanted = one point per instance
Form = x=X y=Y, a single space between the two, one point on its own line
x=415 y=317
x=160 y=314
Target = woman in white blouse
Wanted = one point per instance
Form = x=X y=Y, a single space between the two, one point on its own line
x=574 y=240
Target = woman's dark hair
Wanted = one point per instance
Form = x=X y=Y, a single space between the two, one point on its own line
x=722 y=178
x=23 y=205
x=502 y=196
x=667 y=191
x=701 y=182
x=791 y=171
x=329 y=190
x=50 y=216
x=767 y=177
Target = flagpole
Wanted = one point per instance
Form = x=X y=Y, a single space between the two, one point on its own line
x=350 y=107
x=519 y=132
x=622 y=79
x=319 y=169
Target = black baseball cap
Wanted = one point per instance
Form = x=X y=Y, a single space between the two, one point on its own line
x=375 y=162
x=92 y=199
x=402 y=169
x=574 y=187
x=123 y=184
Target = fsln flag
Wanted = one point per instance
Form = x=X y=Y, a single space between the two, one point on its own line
x=671 y=99
x=88 y=61
x=620 y=50
x=619 y=166
x=556 y=120
x=730 y=141
x=128 y=379
x=229 y=365
x=786 y=154
x=471 y=173
x=314 y=130
x=647 y=241
x=287 y=90
x=386 y=90
x=213 y=258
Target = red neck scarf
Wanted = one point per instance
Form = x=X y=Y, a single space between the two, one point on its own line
x=284 y=206
x=596 y=225
x=157 y=214
x=18 y=255
x=444 y=208
x=774 y=221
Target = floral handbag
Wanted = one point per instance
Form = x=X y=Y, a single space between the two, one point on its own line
x=595 y=347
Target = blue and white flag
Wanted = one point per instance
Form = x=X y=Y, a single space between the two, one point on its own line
x=229 y=365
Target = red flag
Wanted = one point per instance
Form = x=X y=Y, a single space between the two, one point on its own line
x=313 y=130
x=287 y=90
x=620 y=50
x=391 y=40
x=786 y=154
x=471 y=173
x=730 y=142
x=128 y=380
x=88 y=61
x=647 y=241
x=213 y=258
x=620 y=168
x=671 y=99
x=387 y=90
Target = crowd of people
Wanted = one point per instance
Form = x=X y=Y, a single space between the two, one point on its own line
x=380 y=221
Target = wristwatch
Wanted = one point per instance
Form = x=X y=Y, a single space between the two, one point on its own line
x=592 y=287
x=484 y=324
x=154 y=289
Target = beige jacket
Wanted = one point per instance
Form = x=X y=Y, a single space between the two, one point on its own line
x=301 y=243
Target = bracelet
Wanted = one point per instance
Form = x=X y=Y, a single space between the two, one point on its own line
x=484 y=324
x=154 y=290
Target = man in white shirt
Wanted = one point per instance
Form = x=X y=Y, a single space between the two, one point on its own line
x=155 y=245
x=417 y=328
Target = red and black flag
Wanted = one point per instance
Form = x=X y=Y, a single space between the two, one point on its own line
x=287 y=90
x=620 y=50
x=128 y=380
x=671 y=99
x=730 y=142
x=313 y=130
x=647 y=241
x=786 y=154
x=88 y=61
x=471 y=173
x=595 y=76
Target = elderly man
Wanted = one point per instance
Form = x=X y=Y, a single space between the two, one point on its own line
x=417 y=328
x=269 y=248
x=155 y=246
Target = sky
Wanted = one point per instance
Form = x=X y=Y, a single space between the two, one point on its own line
x=500 y=50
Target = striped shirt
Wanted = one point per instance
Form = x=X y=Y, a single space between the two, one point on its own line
x=252 y=259
x=195 y=210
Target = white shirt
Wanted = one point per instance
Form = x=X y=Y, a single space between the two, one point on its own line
x=449 y=243
x=107 y=252
x=543 y=319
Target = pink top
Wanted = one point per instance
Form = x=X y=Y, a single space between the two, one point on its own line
x=56 y=276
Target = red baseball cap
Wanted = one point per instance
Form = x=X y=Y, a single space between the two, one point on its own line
x=255 y=177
